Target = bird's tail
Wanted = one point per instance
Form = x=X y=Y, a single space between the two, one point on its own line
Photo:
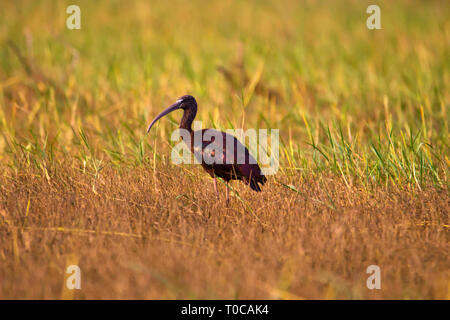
x=254 y=183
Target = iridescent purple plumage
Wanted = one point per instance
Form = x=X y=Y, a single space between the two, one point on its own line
x=232 y=160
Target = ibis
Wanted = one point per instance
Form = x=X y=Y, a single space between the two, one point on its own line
x=223 y=164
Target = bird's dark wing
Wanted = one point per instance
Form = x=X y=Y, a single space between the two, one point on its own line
x=225 y=156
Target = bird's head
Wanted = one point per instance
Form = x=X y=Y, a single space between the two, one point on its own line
x=186 y=102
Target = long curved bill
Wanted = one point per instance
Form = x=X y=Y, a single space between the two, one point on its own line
x=173 y=107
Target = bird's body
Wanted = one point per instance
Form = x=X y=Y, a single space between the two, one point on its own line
x=229 y=168
x=220 y=154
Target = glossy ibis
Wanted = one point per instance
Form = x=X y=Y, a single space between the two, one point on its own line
x=236 y=165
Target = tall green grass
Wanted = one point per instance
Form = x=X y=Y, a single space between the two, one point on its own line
x=367 y=106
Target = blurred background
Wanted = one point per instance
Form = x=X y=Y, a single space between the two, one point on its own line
x=364 y=151
x=277 y=62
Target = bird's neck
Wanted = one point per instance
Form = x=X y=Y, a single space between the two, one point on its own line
x=188 y=118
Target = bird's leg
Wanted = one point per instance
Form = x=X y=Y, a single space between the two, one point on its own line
x=215 y=188
x=227 y=194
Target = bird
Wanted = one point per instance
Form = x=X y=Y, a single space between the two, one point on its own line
x=215 y=157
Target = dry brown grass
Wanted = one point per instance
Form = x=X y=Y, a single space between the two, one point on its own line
x=168 y=238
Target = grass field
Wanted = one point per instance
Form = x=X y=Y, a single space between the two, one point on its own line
x=364 y=149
